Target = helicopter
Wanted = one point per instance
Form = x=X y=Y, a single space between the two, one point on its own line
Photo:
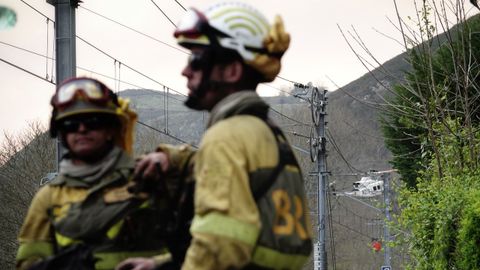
x=369 y=186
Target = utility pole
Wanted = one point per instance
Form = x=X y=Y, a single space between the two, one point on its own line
x=386 y=233
x=385 y=176
x=318 y=153
x=65 y=55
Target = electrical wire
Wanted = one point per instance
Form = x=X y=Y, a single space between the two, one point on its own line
x=135 y=30
x=287 y=117
x=155 y=39
x=164 y=14
x=139 y=73
x=91 y=71
x=337 y=149
x=26 y=50
x=369 y=237
x=139 y=122
x=165 y=133
x=37 y=11
x=131 y=68
x=296 y=134
x=26 y=71
x=180 y=5
x=276 y=88
x=332 y=235
x=285 y=79
x=377 y=137
x=285 y=92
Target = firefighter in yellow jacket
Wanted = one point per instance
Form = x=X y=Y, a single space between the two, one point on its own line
x=92 y=215
x=249 y=203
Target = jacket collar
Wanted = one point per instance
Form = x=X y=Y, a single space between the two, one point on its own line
x=242 y=102
x=121 y=161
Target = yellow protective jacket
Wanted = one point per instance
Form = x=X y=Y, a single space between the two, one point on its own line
x=106 y=216
x=230 y=230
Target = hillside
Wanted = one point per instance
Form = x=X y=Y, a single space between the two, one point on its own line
x=354 y=111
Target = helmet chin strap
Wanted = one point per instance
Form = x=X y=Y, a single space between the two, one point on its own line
x=206 y=84
x=194 y=99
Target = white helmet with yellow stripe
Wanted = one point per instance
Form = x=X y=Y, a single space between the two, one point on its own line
x=239 y=27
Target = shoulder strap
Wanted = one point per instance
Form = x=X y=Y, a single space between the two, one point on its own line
x=285 y=157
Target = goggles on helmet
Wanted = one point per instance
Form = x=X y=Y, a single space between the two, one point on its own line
x=89 y=89
x=192 y=25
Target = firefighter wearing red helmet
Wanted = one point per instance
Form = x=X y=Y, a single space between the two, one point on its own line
x=249 y=202
x=92 y=214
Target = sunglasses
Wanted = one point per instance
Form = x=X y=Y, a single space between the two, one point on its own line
x=197 y=61
x=89 y=123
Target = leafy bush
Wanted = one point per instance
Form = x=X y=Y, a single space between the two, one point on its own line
x=468 y=251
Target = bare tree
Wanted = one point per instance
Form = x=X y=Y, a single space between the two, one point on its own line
x=24 y=159
x=438 y=99
x=441 y=95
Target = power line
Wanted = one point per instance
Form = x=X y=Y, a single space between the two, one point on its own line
x=90 y=44
x=114 y=21
x=335 y=146
x=141 y=123
x=26 y=50
x=332 y=235
x=113 y=58
x=155 y=39
x=27 y=71
x=180 y=5
x=357 y=130
x=87 y=70
x=283 y=91
x=165 y=133
x=178 y=139
x=289 y=118
x=148 y=36
x=356 y=216
x=285 y=79
x=37 y=11
x=369 y=237
x=296 y=134
x=128 y=83
x=135 y=30
x=276 y=88
x=373 y=105
x=164 y=14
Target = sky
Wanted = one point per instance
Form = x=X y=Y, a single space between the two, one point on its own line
x=318 y=53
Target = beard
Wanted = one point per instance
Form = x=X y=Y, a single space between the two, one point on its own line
x=193 y=102
x=196 y=99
